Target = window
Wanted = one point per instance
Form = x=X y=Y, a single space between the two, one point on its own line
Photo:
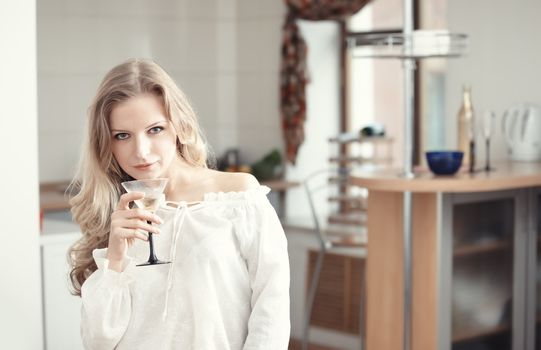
x=375 y=86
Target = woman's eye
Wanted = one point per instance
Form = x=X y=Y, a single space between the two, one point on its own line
x=156 y=129
x=121 y=136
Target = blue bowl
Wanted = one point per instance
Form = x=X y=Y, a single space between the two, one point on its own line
x=444 y=162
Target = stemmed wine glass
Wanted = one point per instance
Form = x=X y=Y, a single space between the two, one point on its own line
x=153 y=190
x=488 y=117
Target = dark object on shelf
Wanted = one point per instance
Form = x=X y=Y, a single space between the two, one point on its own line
x=270 y=167
x=444 y=162
x=229 y=159
x=374 y=129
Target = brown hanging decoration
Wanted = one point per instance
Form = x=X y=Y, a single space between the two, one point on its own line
x=293 y=72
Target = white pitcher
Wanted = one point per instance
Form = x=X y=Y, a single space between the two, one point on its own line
x=521 y=127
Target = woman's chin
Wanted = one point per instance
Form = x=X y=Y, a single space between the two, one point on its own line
x=140 y=175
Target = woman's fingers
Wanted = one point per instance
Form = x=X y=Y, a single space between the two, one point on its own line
x=132 y=234
x=139 y=224
x=126 y=198
x=143 y=215
x=141 y=236
x=127 y=224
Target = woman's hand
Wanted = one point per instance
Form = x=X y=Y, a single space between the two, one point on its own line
x=125 y=226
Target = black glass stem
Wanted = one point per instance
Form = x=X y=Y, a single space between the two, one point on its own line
x=152 y=259
x=487 y=163
x=472 y=156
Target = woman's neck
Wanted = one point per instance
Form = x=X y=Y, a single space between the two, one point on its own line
x=183 y=176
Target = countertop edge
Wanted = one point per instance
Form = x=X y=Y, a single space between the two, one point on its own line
x=510 y=176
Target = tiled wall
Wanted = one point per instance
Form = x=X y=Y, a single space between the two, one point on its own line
x=223 y=53
x=259 y=44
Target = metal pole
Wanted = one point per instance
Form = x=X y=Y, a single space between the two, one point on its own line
x=409 y=68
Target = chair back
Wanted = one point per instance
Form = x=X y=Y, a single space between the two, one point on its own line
x=315 y=185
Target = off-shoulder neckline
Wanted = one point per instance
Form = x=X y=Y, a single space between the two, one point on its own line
x=216 y=197
x=233 y=195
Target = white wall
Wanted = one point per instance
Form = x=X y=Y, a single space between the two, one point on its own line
x=322 y=106
x=259 y=35
x=78 y=41
x=223 y=53
x=20 y=294
x=503 y=61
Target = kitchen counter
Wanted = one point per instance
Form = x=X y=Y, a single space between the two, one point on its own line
x=53 y=197
x=507 y=175
x=434 y=226
x=58 y=228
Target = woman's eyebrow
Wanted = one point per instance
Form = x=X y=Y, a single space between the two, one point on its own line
x=156 y=123
x=150 y=126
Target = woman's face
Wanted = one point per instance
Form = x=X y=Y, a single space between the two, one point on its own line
x=143 y=140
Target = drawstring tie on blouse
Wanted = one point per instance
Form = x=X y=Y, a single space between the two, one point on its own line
x=178 y=221
x=180 y=214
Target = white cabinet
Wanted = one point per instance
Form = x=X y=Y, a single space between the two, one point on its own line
x=61 y=310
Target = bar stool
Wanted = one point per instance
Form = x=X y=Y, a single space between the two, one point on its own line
x=329 y=236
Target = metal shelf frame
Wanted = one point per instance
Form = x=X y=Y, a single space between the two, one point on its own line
x=408 y=46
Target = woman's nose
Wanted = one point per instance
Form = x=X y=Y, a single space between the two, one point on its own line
x=142 y=146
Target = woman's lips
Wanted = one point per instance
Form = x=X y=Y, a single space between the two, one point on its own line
x=144 y=166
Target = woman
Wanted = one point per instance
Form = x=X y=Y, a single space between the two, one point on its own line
x=228 y=284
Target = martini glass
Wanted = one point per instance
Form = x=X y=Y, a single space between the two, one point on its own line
x=153 y=190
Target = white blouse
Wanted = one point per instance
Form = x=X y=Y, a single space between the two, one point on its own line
x=227 y=287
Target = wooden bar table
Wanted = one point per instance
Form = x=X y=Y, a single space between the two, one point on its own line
x=433 y=198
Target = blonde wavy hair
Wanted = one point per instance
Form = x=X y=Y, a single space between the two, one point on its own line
x=98 y=177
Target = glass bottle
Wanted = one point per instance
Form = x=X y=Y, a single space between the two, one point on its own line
x=466 y=132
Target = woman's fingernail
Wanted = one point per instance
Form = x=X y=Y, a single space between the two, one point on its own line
x=159 y=219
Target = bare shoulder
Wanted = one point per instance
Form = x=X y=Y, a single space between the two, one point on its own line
x=228 y=181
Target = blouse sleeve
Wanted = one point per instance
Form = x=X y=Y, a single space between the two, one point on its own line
x=265 y=249
x=106 y=303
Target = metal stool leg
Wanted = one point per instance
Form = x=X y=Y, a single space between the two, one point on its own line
x=362 y=308
x=311 y=298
